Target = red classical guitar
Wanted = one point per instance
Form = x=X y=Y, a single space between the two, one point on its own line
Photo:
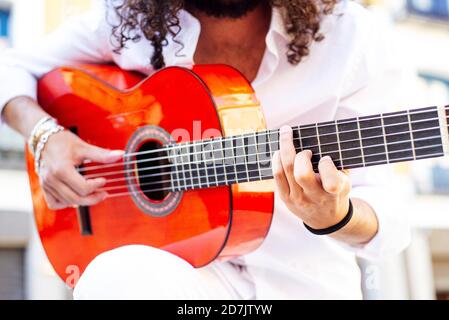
x=196 y=177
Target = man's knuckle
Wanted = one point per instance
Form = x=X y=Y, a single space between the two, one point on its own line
x=332 y=187
x=278 y=173
x=289 y=166
x=304 y=177
x=57 y=170
x=85 y=190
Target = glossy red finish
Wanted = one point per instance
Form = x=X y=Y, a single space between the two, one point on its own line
x=107 y=105
x=252 y=212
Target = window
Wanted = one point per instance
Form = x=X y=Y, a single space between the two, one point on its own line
x=4 y=27
x=12 y=274
x=11 y=144
x=438 y=9
x=436 y=82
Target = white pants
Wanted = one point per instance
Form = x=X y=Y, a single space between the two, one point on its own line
x=141 y=272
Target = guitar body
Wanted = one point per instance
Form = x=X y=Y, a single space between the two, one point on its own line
x=114 y=109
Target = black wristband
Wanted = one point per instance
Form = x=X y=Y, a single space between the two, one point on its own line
x=335 y=228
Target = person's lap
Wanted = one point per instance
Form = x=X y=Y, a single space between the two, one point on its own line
x=141 y=272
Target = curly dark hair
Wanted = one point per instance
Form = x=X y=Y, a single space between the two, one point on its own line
x=156 y=19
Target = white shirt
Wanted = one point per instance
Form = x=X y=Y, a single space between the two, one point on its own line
x=352 y=72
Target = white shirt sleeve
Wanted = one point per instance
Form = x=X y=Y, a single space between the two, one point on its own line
x=83 y=39
x=374 y=87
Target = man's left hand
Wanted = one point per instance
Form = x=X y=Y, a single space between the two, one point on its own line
x=320 y=200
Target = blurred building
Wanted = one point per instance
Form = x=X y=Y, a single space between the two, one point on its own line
x=422 y=36
x=422 y=272
x=25 y=273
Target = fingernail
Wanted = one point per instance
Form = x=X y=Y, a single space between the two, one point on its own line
x=326 y=158
x=117 y=153
x=100 y=181
x=286 y=130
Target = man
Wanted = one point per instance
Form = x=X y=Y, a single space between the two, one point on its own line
x=309 y=61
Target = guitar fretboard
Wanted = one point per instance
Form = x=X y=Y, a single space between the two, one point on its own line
x=351 y=143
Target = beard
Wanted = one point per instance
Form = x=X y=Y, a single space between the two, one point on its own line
x=224 y=8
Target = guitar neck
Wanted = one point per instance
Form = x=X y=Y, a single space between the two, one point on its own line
x=351 y=143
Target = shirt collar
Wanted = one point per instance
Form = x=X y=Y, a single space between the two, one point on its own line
x=180 y=50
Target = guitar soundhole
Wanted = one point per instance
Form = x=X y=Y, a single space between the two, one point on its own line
x=149 y=174
x=153 y=171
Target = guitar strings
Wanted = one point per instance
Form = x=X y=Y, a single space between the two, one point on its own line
x=82 y=170
x=205 y=142
x=192 y=187
x=225 y=175
x=190 y=155
x=255 y=154
x=235 y=173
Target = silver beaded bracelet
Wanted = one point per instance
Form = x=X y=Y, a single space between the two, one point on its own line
x=40 y=128
x=41 y=145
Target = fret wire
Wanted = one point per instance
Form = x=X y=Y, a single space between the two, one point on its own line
x=270 y=151
x=192 y=164
x=227 y=157
x=198 y=166
x=361 y=141
x=257 y=154
x=213 y=161
x=189 y=166
x=176 y=180
x=338 y=143
x=300 y=138
x=385 y=140
x=244 y=157
x=411 y=133
x=251 y=155
x=235 y=163
x=235 y=151
x=351 y=166
x=181 y=163
x=267 y=155
x=205 y=166
x=194 y=167
x=223 y=161
x=184 y=174
x=319 y=142
x=274 y=142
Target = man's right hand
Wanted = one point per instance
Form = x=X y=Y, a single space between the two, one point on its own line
x=62 y=184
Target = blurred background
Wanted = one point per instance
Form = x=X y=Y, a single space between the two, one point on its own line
x=421 y=28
